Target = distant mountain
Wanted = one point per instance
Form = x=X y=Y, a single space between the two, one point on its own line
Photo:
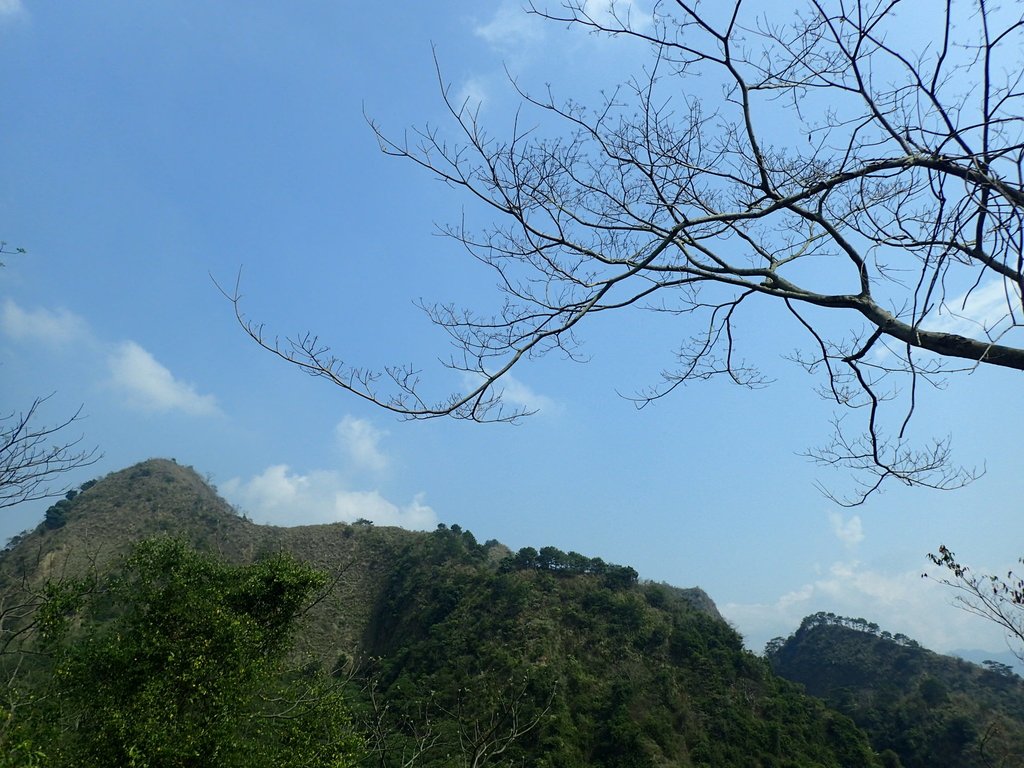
x=920 y=708
x=571 y=660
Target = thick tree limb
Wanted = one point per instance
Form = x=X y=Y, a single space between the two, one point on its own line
x=829 y=163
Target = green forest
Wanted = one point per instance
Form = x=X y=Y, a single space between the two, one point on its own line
x=918 y=706
x=824 y=195
x=146 y=623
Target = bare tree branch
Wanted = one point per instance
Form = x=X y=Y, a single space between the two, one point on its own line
x=996 y=599
x=30 y=458
x=33 y=456
x=869 y=183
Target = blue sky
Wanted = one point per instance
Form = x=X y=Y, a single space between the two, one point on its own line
x=150 y=148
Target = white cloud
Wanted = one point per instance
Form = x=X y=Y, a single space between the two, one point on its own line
x=351 y=505
x=361 y=441
x=10 y=8
x=149 y=385
x=850 y=532
x=134 y=371
x=517 y=394
x=899 y=602
x=617 y=13
x=980 y=313
x=279 y=496
x=51 y=327
x=983 y=310
x=511 y=28
x=472 y=94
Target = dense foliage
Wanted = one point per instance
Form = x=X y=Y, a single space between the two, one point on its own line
x=455 y=653
x=590 y=667
x=920 y=709
x=177 y=659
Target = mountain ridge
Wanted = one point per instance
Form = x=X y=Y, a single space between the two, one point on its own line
x=162 y=497
x=919 y=706
x=615 y=673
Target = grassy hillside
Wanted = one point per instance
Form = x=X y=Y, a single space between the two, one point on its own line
x=925 y=708
x=161 y=497
x=466 y=654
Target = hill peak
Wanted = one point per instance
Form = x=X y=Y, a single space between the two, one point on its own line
x=103 y=518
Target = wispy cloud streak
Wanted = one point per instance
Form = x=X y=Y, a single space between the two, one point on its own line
x=151 y=386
